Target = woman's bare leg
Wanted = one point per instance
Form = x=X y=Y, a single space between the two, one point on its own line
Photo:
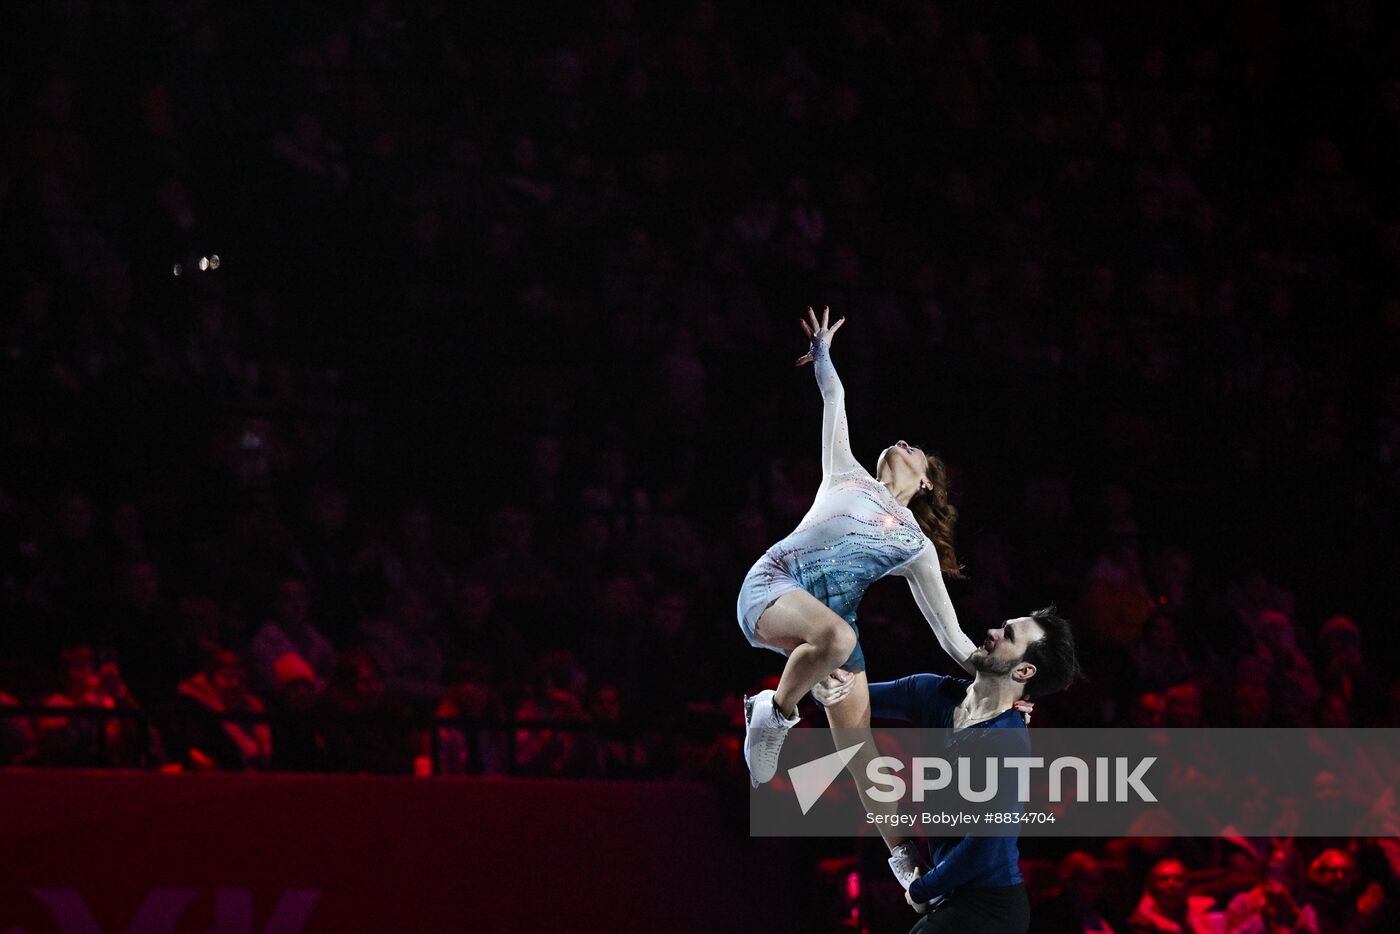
x=850 y=724
x=815 y=639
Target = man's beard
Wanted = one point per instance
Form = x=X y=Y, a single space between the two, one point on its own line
x=988 y=665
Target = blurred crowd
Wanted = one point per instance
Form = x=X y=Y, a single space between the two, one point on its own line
x=364 y=363
x=1244 y=886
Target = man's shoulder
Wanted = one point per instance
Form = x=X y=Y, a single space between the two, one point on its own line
x=942 y=690
x=949 y=686
x=933 y=681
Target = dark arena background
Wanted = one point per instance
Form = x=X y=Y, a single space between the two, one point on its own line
x=393 y=396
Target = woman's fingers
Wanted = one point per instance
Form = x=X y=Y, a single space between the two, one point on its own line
x=807 y=357
x=823 y=329
x=1025 y=707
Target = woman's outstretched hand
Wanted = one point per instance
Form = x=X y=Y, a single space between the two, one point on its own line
x=824 y=331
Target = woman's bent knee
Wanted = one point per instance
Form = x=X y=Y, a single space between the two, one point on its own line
x=843 y=642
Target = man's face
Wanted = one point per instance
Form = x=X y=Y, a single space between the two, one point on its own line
x=1004 y=648
x=1168 y=883
x=1334 y=870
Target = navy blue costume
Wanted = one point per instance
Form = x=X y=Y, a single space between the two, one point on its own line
x=929 y=701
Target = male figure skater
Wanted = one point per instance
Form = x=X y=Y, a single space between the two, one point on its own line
x=975 y=883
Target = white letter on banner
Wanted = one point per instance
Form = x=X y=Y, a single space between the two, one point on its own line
x=875 y=772
x=1081 y=770
x=1023 y=766
x=965 y=780
x=922 y=784
x=1134 y=779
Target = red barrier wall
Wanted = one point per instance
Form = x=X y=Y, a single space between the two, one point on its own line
x=94 y=852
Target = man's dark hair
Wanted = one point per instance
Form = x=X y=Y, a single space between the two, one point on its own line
x=1056 y=665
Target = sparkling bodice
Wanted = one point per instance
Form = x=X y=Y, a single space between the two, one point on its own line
x=854 y=534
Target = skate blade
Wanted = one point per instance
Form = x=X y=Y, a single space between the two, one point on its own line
x=748 y=721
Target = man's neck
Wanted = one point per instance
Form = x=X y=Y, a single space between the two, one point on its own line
x=992 y=695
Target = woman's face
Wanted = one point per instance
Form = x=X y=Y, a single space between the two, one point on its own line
x=903 y=459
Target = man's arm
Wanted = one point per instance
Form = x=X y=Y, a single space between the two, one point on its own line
x=915 y=698
x=925 y=577
x=968 y=857
x=893 y=700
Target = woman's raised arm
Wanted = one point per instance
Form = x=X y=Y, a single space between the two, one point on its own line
x=836 y=437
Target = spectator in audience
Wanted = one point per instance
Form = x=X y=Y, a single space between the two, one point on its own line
x=149 y=633
x=472 y=749
x=16 y=735
x=476 y=632
x=619 y=752
x=91 y=680
x=406 y=649
x=554 y=695
x=1116 y=602
x=209 y=733
x=290 y=631
x=1289 y=671
x=326 y=552
x=415 y=562
x=665 y=651
x=1158 y=657
x=297 y=741
x=1183 y=705
x=74 y=577
x=1269 y=908
x=522 y=582
x=1166 y=906
x=365 y=731
x=1334 y=710
x=1074 y=908
x=1250 y=706
x=203 y=623
x=1342 y=671
x=1338 y=899
x=1149 y=710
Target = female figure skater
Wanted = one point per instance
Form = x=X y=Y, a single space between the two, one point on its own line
x=800 y=597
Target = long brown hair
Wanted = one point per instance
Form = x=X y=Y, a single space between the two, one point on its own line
x=937 y=516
